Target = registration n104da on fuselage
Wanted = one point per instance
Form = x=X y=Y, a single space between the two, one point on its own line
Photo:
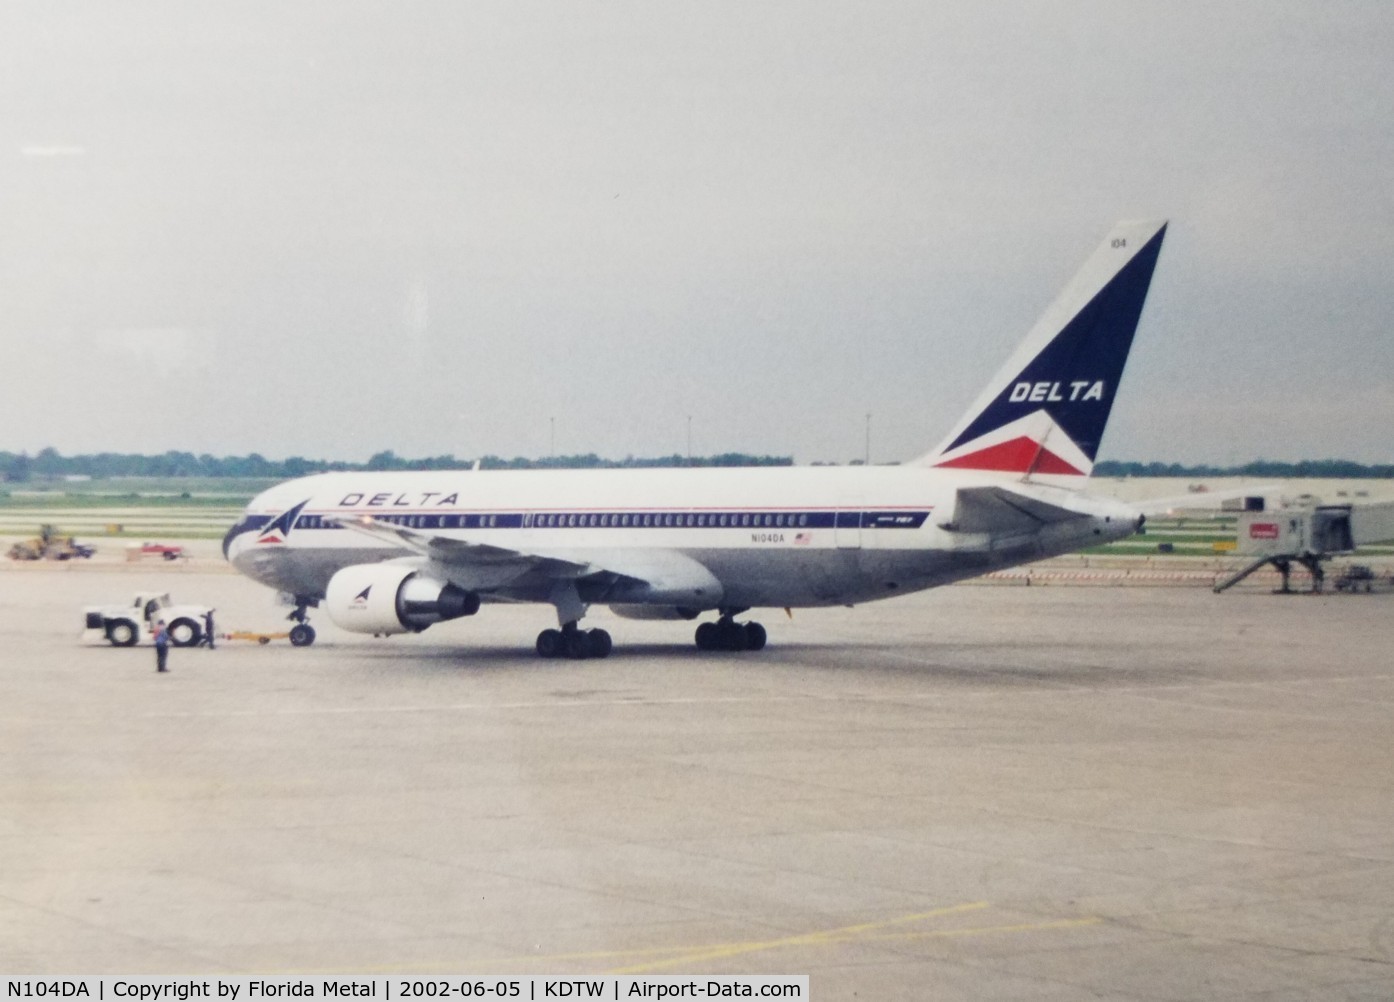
x=386 y=553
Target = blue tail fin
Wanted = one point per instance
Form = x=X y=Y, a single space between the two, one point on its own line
x=1045 y=411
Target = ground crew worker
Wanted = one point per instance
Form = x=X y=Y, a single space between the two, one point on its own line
x=208 y=628
x=161 y=646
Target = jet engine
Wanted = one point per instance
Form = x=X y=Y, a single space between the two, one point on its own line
x=393 y=598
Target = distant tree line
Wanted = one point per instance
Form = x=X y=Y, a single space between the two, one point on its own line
x=1324 y=469
x=50 y=464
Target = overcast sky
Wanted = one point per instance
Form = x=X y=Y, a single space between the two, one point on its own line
x=327 y=229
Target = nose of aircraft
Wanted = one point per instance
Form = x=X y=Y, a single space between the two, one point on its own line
x=238 y=527
x=248 y=522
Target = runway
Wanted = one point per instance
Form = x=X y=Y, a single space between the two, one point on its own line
x=974 y=793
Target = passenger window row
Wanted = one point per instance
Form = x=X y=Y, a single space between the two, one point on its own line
x=640 y=520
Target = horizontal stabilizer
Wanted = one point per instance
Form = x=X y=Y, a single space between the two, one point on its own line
x=1000 y=510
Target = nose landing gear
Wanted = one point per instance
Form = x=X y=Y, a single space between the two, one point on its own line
x=302 y=634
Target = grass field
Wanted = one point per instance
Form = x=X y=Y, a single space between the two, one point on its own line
x=129 y=508
x=128 y=492
x=1181 y=537
x=94 y=524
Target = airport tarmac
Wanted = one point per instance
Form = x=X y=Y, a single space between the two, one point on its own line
x=973 y=793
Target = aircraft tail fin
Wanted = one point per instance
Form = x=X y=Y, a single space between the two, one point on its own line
x=1042 y=416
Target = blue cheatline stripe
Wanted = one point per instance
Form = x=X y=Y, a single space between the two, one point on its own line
x=246 y=523
x=249 y=522
x=878 y=519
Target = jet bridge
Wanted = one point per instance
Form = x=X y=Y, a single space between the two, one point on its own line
x=1307 y=536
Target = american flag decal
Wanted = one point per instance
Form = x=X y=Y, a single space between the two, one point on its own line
x=803 y=539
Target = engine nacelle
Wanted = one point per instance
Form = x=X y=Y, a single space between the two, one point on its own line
x=654 y=612
x=392 y=598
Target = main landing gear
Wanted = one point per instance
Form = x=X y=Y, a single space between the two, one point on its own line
x=302 y=634
x=728 y=635
x=573 y=642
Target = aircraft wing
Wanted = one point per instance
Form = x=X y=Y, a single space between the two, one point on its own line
x=476 y=566
x=1003 y=510
x=618 y=575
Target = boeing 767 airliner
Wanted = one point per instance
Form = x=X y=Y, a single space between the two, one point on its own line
x=386 y=553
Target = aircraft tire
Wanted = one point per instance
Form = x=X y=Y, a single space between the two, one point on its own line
x=578 y=644
x=184 y=632
x=706 y=637
x=600 y=643
x=549 y=643
x=731 y=636
x=755 y=637
x=302 y=635
x=122 y=633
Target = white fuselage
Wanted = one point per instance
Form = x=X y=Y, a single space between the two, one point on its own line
x=781 y=537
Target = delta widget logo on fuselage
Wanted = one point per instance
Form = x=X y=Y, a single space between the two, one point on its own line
x=279 y=528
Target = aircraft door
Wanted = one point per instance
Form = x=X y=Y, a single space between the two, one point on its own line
x=847 y=530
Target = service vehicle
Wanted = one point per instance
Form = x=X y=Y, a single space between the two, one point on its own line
x=1357 y=577
x=169 y=551
x=49 y=545
x=124 y=625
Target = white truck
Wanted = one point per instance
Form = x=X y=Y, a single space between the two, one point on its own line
x=125 y=625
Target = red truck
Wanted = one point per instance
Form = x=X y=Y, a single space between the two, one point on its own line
x=166 y=550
